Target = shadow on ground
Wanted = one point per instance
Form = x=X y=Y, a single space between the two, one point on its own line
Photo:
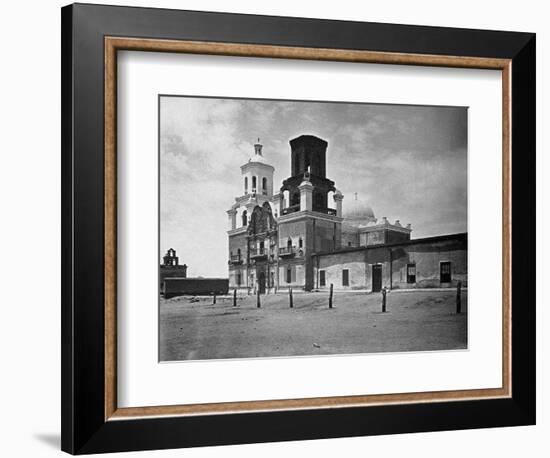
x=52 y=440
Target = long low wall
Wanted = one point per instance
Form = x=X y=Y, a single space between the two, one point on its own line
x=171 y=287
x=392 y=260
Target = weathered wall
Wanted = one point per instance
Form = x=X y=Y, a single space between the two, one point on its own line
x=426 y=254
x=298 y=274
x=292 y=229
x=334 y=265
x=350 y=238
x=372 y=238
x=427 y=258
x=396 y=237
x=194 y=286
x=236 y=242
x=328 y=235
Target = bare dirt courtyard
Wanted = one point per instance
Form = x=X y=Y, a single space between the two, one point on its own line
x=194 y=328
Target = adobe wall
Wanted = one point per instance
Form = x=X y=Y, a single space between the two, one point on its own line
x=426 y=254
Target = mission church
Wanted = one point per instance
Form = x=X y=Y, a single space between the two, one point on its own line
x=306 y=237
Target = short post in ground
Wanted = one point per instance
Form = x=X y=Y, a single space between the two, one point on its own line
x=234 y=298
x=384 y=300
x=330 y=297
x=258 y=304
x=290 y=302
x=459 y=297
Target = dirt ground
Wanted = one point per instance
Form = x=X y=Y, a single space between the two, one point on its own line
x=194 y=328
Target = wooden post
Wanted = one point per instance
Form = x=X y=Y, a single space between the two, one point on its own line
x=258 y=298
x=330 y=297
x=384 y=300
x=458 y=297
x=234 y=298
x=290 y=297
x=214 y=299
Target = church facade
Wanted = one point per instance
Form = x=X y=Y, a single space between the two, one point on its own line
x=302 y=237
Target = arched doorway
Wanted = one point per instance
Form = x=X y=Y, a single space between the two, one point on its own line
x=261 y=282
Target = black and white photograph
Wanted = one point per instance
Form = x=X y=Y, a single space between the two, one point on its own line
x=275 y=229
x=308 y=228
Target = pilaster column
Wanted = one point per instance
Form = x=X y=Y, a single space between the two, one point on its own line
x=232 y=218
x=338 y=197
x=306 y=196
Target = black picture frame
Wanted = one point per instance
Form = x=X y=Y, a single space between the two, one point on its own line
x=84 y=427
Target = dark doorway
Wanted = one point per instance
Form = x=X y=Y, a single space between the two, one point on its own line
x=376 y=278
x=445 y=272
x=261 y=282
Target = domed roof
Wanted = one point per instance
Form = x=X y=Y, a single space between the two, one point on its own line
x=257 y=157
x=357 y=210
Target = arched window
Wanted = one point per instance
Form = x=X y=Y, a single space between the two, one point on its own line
x=286 y=198
x=318 y=201
x=244 y=218
x=239 y=254
x=253 y=184
x=307 y=162
x=264 y=185
x=246 y=185
x=331 y=204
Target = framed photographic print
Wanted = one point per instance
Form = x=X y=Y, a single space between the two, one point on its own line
x=284 y=228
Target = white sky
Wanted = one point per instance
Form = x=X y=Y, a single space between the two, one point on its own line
x=408 y=163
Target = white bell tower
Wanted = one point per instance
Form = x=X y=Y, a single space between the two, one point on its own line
x=257 y=174
x=257 y=188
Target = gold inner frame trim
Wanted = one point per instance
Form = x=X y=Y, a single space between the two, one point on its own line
x=114 y=44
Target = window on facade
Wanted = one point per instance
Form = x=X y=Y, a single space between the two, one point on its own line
x=244 y=218
x=322 y=278
x=289 y=243
x=253 y=184
x=239 y=253
x=238 y=279
x=262 y=247
x=289 y=275
x=300 y=242
x=411 y=273
x=271 y=279
x=345 y=277
x=445 y=272
x=245 y=185
x=264 y=185
x=349 y=243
